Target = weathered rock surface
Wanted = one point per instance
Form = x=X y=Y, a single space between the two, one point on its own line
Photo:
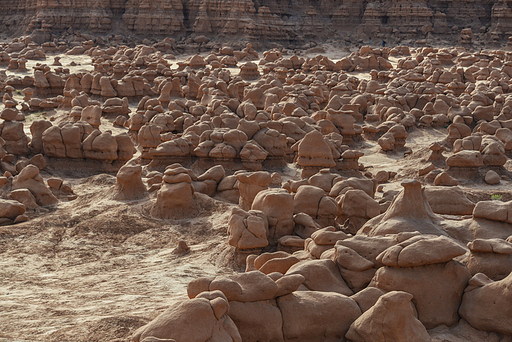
x=390 y=319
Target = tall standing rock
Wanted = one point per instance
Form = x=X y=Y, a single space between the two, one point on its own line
x=313 y=154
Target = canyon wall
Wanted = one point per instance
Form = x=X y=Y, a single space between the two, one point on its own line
x=285 y=20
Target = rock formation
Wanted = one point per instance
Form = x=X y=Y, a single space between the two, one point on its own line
x=256 y=20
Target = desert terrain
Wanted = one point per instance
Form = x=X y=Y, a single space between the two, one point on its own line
x=234 y=177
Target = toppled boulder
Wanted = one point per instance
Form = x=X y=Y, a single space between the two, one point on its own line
x=321 y=275
x=466 y=159
x=493 y=211
x=355 y=208
x=492 y=177
x=207 y=182
x=317 y=316
x=23 y=196
x=450 y=201
x=394 y=138
x=250 y=286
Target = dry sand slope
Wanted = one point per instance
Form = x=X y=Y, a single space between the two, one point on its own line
x=95 y=269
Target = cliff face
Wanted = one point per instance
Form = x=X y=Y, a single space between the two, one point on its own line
x=257 y=19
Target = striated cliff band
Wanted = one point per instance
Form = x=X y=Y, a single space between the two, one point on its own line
x=285 y=20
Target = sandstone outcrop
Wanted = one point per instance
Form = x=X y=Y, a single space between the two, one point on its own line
x=209 y=310
x=391 y=318
x=480 y=307
x=176 y=195
x=129 y=184
x=409 y=212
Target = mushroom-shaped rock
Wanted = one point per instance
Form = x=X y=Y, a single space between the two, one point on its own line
x=100 y=146
x=421 y=250
x=313 y=151
x=450 y=278
x=129 y=184
x=176 y=195
x=409 y=212
x=392 y=318
x=465 y=159
x=249 y=71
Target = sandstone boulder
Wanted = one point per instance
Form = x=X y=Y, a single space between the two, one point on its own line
x=392 y=318
x=11 y=209
x=129 y=184
x=207 y=313
x=277 y=204
x=492 y=257
x=317 y=316
x=29 y=178
x=409 y=212
x=486 y=304
x=247 y=230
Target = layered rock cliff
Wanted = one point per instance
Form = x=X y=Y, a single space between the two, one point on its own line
x=259 y=19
